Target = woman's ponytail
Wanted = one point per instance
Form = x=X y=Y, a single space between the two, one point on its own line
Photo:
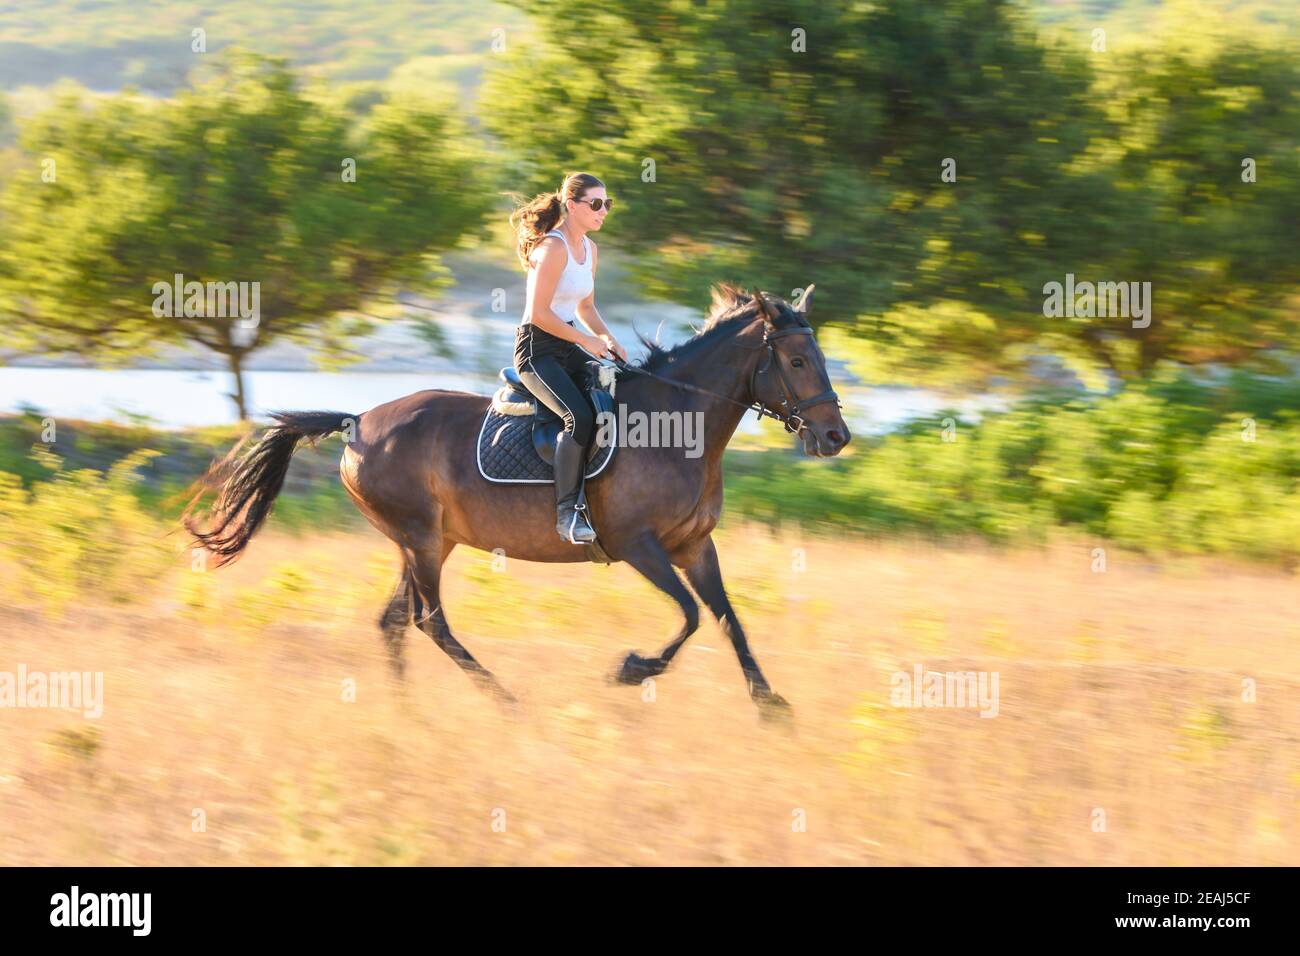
x=538 y=216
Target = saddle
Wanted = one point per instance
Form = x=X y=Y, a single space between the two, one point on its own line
x=516 y=443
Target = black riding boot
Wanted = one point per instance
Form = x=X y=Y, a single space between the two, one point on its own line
x=571 y=519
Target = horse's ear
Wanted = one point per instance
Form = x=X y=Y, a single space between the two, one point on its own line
x=765 y=308
x=804 y=305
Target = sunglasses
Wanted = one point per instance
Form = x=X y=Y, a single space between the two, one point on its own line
x=598 y=204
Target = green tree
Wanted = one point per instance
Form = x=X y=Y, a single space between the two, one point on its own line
x=1207 y=204
x=243 y=179
x=796 y=141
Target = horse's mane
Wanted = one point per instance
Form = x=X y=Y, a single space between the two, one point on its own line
x=731 y=309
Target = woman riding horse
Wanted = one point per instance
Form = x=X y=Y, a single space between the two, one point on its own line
x=550 y=350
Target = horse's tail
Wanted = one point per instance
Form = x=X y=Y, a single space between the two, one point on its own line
x=246 y=496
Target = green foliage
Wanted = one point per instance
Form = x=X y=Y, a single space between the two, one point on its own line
x=314 y=500
x=239 y=180
x=1217 y=250
x=81 y=534
x=1164 y=467
x=781 y=167
x=110 y=43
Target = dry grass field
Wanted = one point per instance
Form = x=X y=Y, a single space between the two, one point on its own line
x=1124 y=732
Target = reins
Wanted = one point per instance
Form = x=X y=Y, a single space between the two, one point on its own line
x=791 y=405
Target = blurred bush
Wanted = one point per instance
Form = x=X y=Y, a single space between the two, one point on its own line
x=1171 y=465
x=81 y=534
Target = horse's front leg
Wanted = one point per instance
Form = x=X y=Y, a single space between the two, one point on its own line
x=705 y=575
x=648 y=556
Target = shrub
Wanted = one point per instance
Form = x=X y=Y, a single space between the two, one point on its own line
x=81 y=534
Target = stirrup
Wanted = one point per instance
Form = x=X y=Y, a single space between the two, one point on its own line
x=577 y=533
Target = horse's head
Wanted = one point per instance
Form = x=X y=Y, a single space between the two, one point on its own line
x=791 y=379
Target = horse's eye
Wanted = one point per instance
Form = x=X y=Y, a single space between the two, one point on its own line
x=796 y=363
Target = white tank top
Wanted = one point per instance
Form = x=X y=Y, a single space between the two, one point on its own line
x=575 y=283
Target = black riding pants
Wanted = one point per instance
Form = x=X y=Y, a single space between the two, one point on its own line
x=547 y=365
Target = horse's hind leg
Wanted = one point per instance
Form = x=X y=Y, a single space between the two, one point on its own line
x=425 y=566
x=394 y=621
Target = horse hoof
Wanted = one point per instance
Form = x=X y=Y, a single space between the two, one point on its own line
x=508 y=703
x=635 y=669
x=773 y=707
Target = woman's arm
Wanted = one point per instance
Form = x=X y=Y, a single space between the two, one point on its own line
x=588 y=316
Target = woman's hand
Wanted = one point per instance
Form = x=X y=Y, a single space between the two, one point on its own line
x=595 y=345
x=616 y=349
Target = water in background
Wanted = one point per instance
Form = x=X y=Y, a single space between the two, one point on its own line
x=175 y=398
x=396 y=362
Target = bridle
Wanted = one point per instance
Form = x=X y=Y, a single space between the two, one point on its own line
x=791 y=405
x=792 y=408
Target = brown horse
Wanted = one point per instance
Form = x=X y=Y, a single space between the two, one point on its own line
x=410 y=467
